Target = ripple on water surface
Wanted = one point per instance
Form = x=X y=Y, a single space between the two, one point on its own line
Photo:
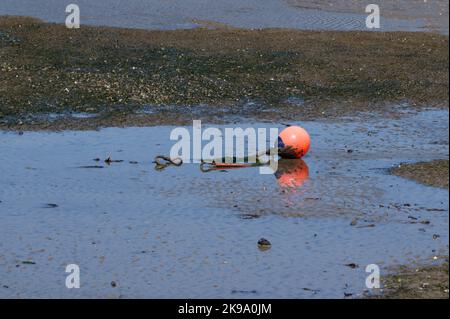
x=179 y=14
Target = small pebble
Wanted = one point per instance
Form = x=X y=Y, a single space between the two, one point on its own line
x=264 y=244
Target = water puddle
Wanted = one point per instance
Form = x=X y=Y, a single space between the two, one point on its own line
x=182 y=14
x=181 y=233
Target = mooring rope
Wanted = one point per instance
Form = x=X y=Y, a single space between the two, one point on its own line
x=213 y=166
x=161 y=162
x=223 y=164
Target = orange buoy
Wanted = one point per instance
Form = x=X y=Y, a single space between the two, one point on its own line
x=293 y=142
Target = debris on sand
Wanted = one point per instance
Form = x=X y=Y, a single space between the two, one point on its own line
x=109 y=161
x=366 y=226
x=50 y=205
x=264 y=244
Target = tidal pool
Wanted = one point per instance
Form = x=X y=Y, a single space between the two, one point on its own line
x=182 y=233
x=181 y=14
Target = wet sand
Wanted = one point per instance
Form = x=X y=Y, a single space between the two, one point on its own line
x=423 y=281
x=433 y=173
x=265 y=74
x=429 y=281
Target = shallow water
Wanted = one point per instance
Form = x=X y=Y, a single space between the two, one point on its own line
x=175 y=14
x=181 y=233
